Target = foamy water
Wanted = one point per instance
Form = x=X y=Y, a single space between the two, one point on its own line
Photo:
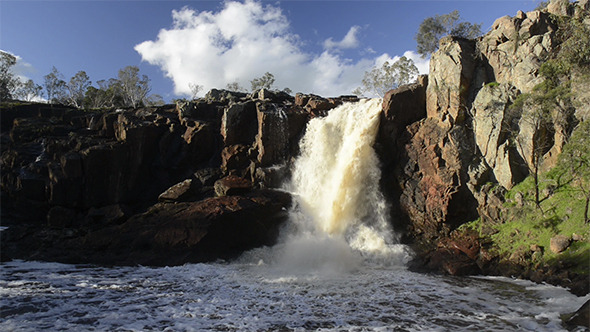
x=256 y=296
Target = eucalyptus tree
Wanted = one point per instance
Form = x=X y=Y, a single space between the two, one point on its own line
x=134 y=89
x=195 y=89
x=235 y=86
x=264 y=82
x=8 y=81
x=77 y=88
x=433 y=28
x=28 y=91
x=388 y=76
x=55 y=86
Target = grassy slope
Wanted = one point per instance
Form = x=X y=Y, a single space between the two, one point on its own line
x=561 y=212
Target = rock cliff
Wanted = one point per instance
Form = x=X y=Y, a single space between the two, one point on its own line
x=453 y=161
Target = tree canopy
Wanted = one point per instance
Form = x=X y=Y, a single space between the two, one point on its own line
x=433 y=28
x=379 y=80
x=8 y=81
x=264 y=82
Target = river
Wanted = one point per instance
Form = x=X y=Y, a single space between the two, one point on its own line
x=260 y=296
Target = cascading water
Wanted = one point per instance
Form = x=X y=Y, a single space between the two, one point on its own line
x=340 y=211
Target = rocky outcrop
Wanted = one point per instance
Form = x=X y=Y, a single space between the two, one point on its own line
x=451 y=80
x=516 y=47
x=493 y=124
x=454 y=161
x=167 y=234
x=70 y=172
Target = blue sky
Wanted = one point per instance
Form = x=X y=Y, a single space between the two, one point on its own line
x=322 y=47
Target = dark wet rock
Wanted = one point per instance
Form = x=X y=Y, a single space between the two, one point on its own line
x=232 y=185
x=223 y=96
x=61 y=217
x=235 y=157
x=272 y=140
x=271 y=177
x=457 y=255
x=108 y=215
x=581 y=318
x=207 y=176
x=239 y=124
x=274 y=96
x=167 y=234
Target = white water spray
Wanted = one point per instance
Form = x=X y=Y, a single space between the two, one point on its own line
x=340 y=211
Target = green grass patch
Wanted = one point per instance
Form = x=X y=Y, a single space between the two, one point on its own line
x=561 y=212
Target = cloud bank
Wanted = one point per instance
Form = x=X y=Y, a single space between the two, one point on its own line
x=244 y=40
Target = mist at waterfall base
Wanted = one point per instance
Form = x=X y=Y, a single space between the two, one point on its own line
x=337 y=267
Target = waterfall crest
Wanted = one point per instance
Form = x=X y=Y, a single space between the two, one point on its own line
x=335 y=182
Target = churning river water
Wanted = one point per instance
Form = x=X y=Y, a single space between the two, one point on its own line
x=256 y=296
x=337 y=267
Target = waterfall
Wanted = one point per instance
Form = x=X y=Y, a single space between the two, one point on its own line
x=339 y=211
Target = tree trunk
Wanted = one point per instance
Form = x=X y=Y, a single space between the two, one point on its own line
x=536 y=181
x=586 y=210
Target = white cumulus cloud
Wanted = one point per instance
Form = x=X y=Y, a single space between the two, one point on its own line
x=242 y=41
x=349 y=41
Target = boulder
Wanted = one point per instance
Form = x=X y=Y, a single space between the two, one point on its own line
x=108 y=215
x=224 y=96
x=274 y=96
x=560 y=8
x=232 y=185
x=207 y=176
x=184 y=191
x=449 y=259
x=559 y=243
x=200 y=110
x=581 y=318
